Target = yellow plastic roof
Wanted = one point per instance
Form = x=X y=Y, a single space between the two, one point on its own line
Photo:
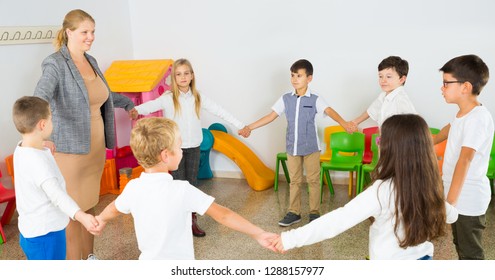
x=136 y=75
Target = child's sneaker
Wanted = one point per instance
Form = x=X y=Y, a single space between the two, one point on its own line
x=313 y=217
x=290 y=219
x=92 y=257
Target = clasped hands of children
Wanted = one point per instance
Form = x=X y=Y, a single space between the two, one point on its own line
x=268 y=240
x=350 y=127
x=95 y=225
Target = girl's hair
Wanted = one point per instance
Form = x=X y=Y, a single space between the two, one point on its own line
x=72 y=21
x=149 y=137
x=175 y=87
x=407 y=157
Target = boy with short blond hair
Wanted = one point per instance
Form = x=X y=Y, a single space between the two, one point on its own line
x=393 y=100
x=161 y=206
x=43 y=204
x=303 y=147
x=469 y=141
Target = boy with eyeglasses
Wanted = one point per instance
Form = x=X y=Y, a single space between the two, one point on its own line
x=469 y=141
x=393 y=100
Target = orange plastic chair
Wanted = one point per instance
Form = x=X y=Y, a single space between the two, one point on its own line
x=327 y=155
x=108 y=182
x=8 y=196
x=9 y=161
x=440 y=152
x=368 y=153
x=327 y=133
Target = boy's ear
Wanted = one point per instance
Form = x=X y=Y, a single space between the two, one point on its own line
x=41 y=124
x=310 y=78
x=402 y=79
x=467 y=87
x=164 y=155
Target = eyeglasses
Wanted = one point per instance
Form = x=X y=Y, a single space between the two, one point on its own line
x=446 y=83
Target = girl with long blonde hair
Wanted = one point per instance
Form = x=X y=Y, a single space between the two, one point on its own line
x=184 y=104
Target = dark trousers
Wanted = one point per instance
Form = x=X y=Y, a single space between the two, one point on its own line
x=468 y=232
x=188 y=166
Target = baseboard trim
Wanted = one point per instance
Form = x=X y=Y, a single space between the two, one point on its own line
x=340 y=178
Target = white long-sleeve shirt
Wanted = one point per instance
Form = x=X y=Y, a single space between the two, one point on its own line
x=187 y=120
x=377 y=201
x=42 y=201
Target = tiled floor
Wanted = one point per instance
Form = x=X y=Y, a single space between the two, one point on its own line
x=118 y=242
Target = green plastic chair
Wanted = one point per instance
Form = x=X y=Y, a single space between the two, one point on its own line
x=491 y=167
x=434 y=130
x=281 y=159
x=366 y=169
x=347 y=155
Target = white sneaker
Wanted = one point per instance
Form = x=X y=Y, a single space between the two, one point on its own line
x=92 y=257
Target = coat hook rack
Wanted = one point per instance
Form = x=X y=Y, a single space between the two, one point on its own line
x=15 y=35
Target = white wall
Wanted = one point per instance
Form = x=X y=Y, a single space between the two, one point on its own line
x=20 y=65
x=242 y=51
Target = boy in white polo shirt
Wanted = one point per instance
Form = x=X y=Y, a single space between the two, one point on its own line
x=469 y=141
x=393 y=100
x=161 y=206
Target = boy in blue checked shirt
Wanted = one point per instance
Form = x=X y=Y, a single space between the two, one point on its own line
x=303 y=151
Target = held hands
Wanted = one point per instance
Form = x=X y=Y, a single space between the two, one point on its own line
x=88 y=221
x=245 y=132
x=265 y=239
x=133 y=114
x=50 y=145
x=101 y=224
x=278 y=245
x=350 y=127
x=270 y=241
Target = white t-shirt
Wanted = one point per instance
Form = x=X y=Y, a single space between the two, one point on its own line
x=386 y=105
x=474 y=130
x=187 y=120
x=162 y=208
x=38 y=214
x=383 y=243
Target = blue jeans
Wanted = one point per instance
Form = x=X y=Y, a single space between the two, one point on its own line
x=50 y=246
x=425 y=258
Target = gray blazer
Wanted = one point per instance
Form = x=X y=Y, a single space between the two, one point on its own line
x=62 y=86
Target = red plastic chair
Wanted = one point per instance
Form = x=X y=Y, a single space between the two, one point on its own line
x=6 y=195
x=368 y=153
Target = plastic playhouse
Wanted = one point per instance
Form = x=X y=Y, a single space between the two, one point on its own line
x=141 y=81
